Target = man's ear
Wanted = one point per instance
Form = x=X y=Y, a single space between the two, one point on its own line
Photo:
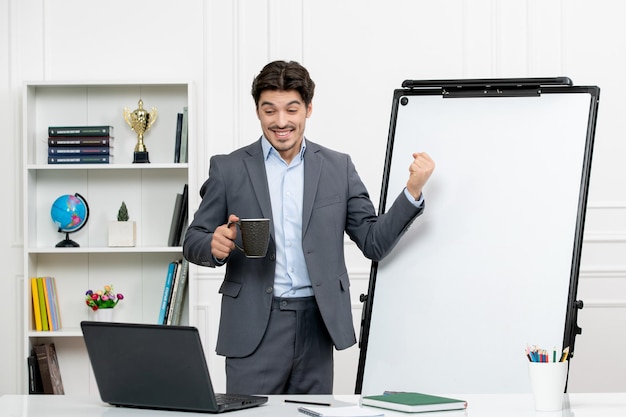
x=309 y=110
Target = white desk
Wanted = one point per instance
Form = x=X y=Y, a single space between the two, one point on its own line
x=479 y=405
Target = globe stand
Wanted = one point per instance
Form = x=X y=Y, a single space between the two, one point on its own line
x=67 y=242
x=67 y=214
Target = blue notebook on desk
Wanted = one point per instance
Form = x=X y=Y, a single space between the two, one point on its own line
x=156 y=367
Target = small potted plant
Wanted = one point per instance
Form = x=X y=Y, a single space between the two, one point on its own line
x=122 y=232
x=102 y=302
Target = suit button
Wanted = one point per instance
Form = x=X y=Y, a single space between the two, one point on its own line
x=272 y=257
x=269 y=290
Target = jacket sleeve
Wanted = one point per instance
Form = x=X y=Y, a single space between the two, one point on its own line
x=211 y=213
x=376 y=235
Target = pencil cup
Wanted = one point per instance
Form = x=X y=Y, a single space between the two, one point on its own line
x=547 y=382
x=255 y=236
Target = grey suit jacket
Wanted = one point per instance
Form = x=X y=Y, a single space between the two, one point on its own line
x=335 y=201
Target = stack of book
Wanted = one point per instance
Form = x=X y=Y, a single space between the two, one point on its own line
x=45 y=304
x=174 y=293
x=80 y=145
x=44 y=374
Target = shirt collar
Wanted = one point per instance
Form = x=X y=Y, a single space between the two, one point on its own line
x=268 y=149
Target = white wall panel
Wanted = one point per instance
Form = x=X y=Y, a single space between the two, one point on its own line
x=221 y=118
x=285 y=29
x=480 y=40
x=511 y=38
x=545 y=38
x=252 y=54
x=603 y=287
x=27 y=30
x=595 y=38
x=209 y=281
x=597 y=365
x=606 y=217
x=11 y=210
x=121 y=39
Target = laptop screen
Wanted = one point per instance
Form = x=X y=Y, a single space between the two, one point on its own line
x=149 y=366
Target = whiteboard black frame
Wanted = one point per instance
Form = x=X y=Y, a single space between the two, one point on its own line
x=459 y=89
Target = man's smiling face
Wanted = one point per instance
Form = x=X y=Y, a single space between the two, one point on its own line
x=283 y=117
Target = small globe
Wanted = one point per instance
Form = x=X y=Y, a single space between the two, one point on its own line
x=69 y=213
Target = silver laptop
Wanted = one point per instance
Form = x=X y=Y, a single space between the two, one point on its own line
x=156 y=367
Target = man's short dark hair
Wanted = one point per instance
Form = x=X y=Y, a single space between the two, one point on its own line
x=284 y=76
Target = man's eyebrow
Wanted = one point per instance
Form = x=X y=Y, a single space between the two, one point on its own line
x=269 y=103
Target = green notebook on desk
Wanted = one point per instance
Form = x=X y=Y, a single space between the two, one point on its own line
x=413 y=402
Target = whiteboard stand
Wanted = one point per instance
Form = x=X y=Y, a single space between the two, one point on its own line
x=492 y=264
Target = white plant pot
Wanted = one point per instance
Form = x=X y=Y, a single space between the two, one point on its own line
x=122 y=233
x=103 y=314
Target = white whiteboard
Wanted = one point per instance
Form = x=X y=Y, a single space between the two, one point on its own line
x=486 y=269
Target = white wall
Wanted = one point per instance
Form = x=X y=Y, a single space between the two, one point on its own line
x=358 y=52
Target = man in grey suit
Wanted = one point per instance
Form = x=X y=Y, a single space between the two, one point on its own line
x=282 y=314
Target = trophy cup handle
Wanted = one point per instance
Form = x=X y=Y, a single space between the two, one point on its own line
x=127 y=114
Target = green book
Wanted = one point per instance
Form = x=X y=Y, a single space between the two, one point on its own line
x=54 y=131
x=42 y=304
x=413 y=402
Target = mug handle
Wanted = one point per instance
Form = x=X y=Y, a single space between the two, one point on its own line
x=239 y=225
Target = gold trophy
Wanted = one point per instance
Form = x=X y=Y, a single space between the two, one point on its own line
x=140 y=121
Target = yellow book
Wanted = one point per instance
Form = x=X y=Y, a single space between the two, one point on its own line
x=36 y=313
x=42 y=305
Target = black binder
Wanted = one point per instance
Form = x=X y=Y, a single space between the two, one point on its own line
x=493 y=262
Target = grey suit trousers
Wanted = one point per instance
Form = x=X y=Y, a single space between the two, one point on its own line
x=294 y=357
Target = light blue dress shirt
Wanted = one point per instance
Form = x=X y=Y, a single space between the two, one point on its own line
x=286 y=184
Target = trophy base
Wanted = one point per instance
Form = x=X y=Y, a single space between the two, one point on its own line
x=140 y=158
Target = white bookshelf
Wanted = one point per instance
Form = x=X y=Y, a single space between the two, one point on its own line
x=149 y=191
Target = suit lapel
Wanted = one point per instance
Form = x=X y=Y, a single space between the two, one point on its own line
x=312 y=170
x=256 y=171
